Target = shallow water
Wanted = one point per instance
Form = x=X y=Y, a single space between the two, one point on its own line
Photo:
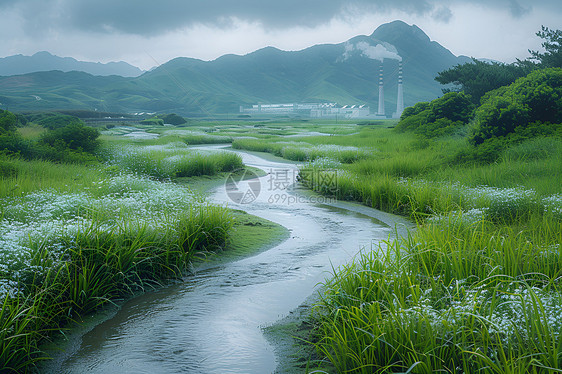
x=212 y=322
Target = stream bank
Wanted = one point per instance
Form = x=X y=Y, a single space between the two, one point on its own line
x=213 y=322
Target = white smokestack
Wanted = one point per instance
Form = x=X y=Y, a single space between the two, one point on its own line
x=400 y=97
x=381 y=94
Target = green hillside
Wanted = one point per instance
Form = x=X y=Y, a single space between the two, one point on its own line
x=190 y=86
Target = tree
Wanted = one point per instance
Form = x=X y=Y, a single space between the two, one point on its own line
x=54 y=121
x=530 y=101
x=154 y=121
x=440 y=117
x=173 y=119
x=75 y=136
x=552 y=58
x=11 y=142
x=8 y=121
x=477 y=77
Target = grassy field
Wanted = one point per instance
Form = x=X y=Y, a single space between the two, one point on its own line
x=76 y=237
x=475 y=288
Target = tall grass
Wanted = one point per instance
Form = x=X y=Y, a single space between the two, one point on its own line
x=19 y=177
x=195 y=137
x=531 y=165
x=380 y=151
x=64 y=254
x=169 y=160
x=449 y=298
x=476 y=288
x=302 y=151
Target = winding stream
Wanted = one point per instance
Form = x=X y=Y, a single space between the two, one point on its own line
x=212 y=322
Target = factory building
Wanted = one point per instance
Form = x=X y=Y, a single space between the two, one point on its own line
x=333 y=110
x=313 y=110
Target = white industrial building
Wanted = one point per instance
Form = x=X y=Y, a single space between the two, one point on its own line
x=313 y=110
x=333 y=110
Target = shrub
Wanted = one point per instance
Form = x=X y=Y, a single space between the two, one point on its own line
x=12 y=143
x=412 y=117
x=529 y=101
x=54 y=121
x=7 y=169
x=152 y=122
x=8 y=121
x=440 y=117
x=75 y=136
x=173 y=119
x=487 y=152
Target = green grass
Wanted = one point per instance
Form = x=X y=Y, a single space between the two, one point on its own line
x=170 y=160
x=303 y=151
x=74 y=238
x=250 y=234
x=65 y=254
x=19 y=177
x=449 y=298
x=476 y=288
x=32 y=131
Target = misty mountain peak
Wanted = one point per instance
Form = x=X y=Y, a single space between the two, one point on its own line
x=396 y=30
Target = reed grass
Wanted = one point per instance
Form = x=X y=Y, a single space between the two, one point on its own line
x=32 y=131
x=164 y=160
x=19 y=177
x=66 y=253
x=192 y=137
x=303 y=151
x=476 y=288
x=449 y=298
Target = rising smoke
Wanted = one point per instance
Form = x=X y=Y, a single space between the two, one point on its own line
x=378 y=52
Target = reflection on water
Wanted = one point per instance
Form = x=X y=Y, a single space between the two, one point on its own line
x=211 y=323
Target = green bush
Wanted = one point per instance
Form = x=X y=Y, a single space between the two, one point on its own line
x=54 y=121
x=173 y=119
x=152 y=122
x=7 y=169
x=487 y=152
x=528 y=102
x=412 y=117
x=12 y=143
x=75 y=136
x=8 y=121
x=442 y=116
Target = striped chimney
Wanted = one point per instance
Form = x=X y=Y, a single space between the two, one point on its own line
x=400 y=97
x=381 y=93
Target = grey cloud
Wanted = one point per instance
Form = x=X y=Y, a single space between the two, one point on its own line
x=146 y=17
x=152 y=17
x=149 y=17
x=517 y=10
x=442 y=14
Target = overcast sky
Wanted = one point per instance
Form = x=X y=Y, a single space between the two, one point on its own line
x=146 y=33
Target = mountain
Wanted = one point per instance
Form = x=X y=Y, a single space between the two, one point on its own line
x=44 y=61
x=346 y=73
